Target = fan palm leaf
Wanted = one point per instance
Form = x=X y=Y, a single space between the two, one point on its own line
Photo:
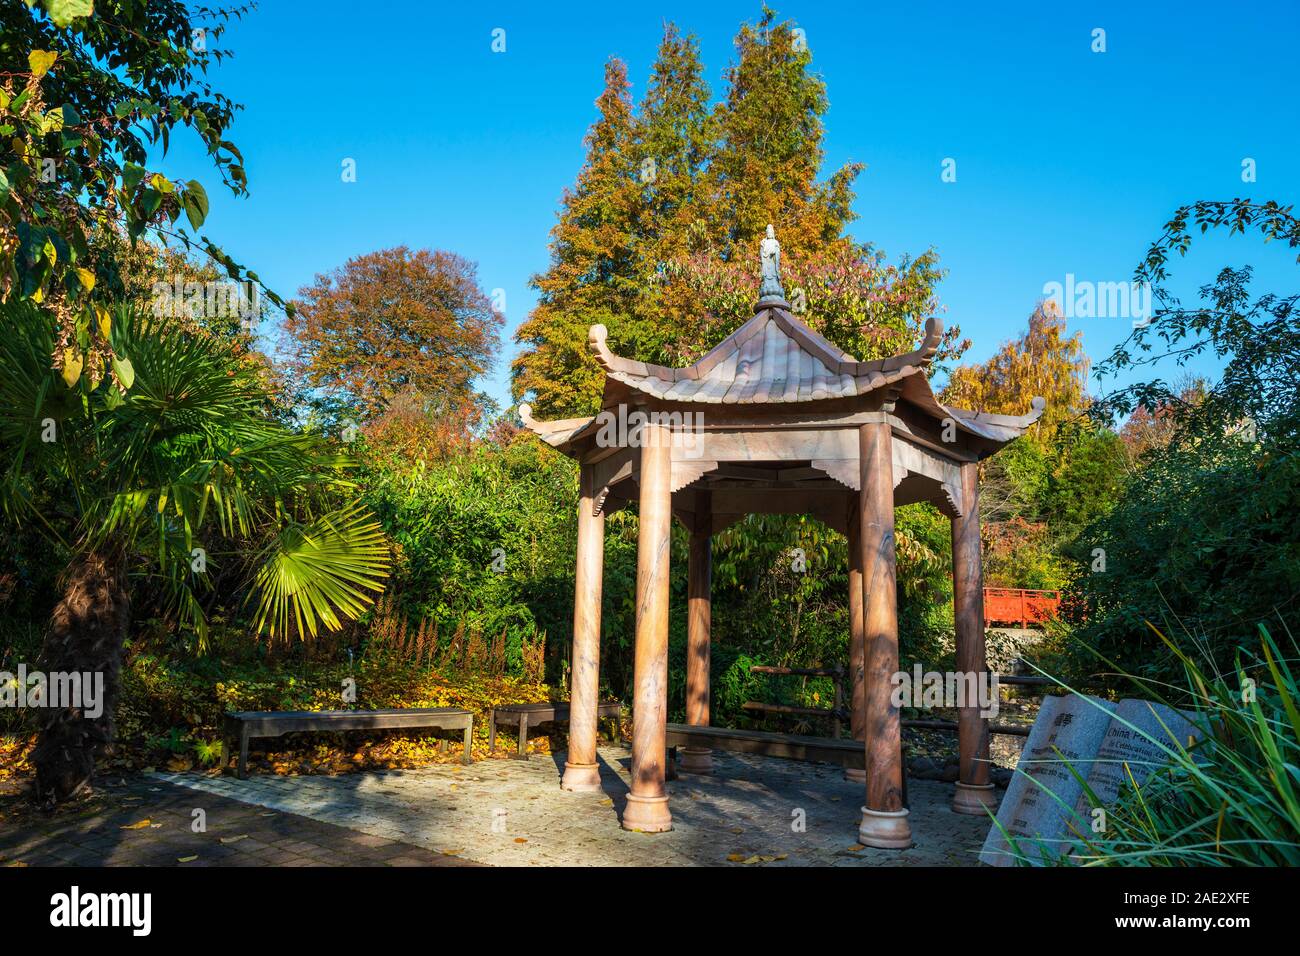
x=314 y=571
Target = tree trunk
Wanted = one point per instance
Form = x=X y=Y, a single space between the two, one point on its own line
x=86 y=634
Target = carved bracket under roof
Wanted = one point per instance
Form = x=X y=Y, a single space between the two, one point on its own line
x=846 y=471
x=911 y=461
x=621 y=466
x=687 y=471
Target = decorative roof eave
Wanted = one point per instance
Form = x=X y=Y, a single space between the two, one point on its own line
x=557 y=432
x=1000 y=429
x=922 y=357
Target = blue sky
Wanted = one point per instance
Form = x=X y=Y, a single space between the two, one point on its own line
x=1067 y=161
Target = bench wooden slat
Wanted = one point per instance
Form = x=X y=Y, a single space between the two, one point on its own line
x=845 y=753
x=381 y=711
x=274 y=724
x=541 y=713
x=251 y=724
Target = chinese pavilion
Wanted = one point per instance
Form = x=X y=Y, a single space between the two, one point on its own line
x=775 y=420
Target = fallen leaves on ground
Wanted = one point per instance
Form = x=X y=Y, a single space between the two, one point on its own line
x=136 y=826
x=15 y=751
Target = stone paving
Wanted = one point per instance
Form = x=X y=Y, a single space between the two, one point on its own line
x=143 y=822
x=513 y=813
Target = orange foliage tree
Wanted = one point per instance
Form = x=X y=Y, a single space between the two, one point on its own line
x=395 y=326
x=1043 y=361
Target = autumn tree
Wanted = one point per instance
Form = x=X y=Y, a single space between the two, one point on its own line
x=674 y=140
x=1035 y=494
x=394 y=323
x=594 y=276
x=1152 y=427
x=847 y=292
x=769 y=151
x=658 y=240
x=1043 y=361
x=764 y=169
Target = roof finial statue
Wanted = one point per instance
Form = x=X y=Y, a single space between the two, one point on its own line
x=769 y=253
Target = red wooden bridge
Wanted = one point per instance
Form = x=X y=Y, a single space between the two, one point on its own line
x=1022 y=606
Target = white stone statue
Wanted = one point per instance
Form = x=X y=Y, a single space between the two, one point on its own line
x=769 y=254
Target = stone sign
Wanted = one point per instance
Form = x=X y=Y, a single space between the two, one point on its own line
x=1045 y=805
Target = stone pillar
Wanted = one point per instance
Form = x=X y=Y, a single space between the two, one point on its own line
x=884 y=819
x=699 y=619
x=647 y=803
x=974 y=791
x=581 y=771
x=857 y=644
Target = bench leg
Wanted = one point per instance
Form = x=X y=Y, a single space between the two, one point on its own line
x=227 y=746
x=523 y=738
x=492 y=732
x=242 y=772
x=468 y=756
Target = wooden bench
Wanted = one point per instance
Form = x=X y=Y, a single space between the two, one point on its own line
x=244 y=725
x=524 y=716
x=846 y=753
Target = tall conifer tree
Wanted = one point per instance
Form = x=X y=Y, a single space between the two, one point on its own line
x=594 y=275
x=770 y=147
x=684 y=188
x=675 y=139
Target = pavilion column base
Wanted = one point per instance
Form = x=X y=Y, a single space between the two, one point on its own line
x=696 y=760
x=975 y=799
x=647 y=814
x=885 y=829
x=855 y=775
x=580 y=777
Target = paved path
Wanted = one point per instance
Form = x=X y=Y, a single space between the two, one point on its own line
x=106 y=830
x=507 y=812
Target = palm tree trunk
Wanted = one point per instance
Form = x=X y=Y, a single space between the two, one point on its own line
x=86 y=634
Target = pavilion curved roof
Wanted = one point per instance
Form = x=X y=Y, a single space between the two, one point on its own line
x=772 y=358
x=775 y=359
